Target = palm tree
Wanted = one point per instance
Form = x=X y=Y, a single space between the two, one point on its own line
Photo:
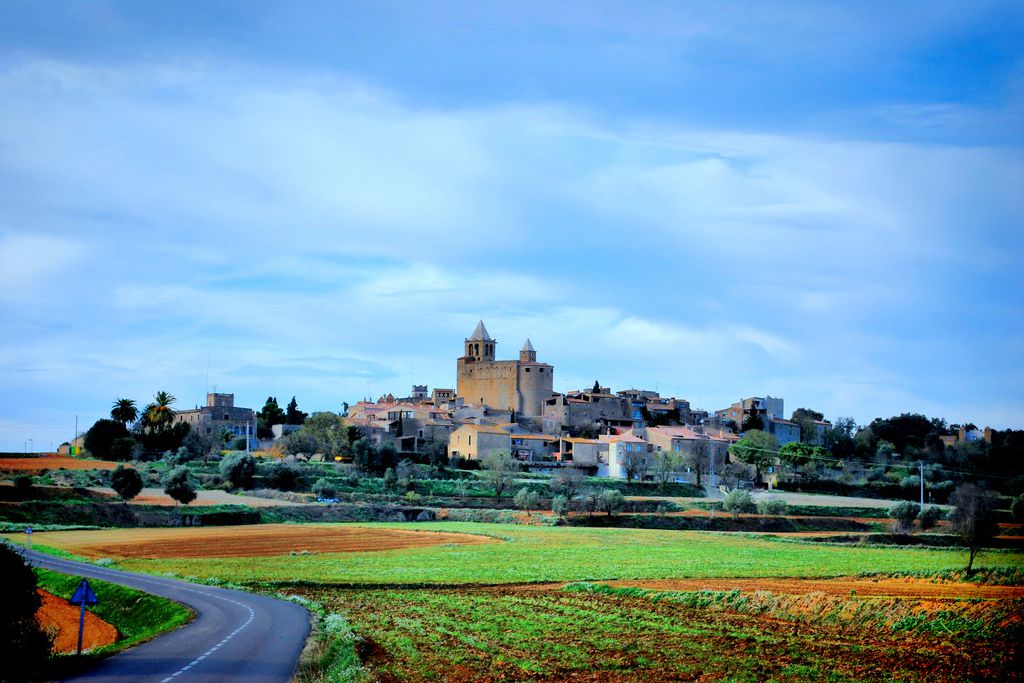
x=159 y=414
x=124 y=411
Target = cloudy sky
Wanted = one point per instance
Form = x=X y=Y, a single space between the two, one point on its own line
x=821 y=201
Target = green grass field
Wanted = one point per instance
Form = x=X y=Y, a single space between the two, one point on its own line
x=538 y=554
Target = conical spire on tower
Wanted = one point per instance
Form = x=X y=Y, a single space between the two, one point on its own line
x=527 y=346
x=480 y=333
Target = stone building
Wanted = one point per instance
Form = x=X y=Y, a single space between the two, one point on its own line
x=220 y=413
x=521 y=385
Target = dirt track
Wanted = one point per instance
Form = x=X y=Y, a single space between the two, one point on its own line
x=249 y=541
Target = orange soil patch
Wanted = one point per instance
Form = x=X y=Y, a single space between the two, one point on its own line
x=244 y=541
x=903 y=588
x=61 y=619
x=53 y=462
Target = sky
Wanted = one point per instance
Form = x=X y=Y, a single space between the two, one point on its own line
x=716 y=200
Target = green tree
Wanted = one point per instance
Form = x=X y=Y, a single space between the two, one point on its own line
x=929 y=516
x=560 y=505
x=568 y=483
x=100 y=438
x=795 y=453
x=124 y=411
x=179 y=485
x=664 y=466
x=806 y=418
x=610 y=500
x=527 y=499
x=330 y=432
x=126 y=482
x=737 y=501
x=24 y=646
x=903 y=516
x=774 y=507
x=270 y=415
x=294 y=416
x=699 y=458
x=974 y=518
x=499 y=470
x=757 y=448
x=239 y=469
x=390 y=480
x=283 y=476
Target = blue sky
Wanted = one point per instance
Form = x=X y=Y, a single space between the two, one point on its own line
x=814 y=200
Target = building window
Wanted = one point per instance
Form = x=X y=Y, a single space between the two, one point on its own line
x=527 y=369
x=541 y=370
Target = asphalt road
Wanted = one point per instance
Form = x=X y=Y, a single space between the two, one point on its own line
x=235 y=636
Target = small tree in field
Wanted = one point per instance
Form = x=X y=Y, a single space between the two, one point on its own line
x=323 y=488
x=737 y=501
x=974 y=518
x=568 y=483
x=127 y=482
x=560 y=506
x=239 y=469
x=903 y=516
x=499 y=470
x=527 y=499
x=610 y=500
x=179 y=485
x=928 y=517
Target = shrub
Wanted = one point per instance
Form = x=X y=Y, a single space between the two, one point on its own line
x=773 y=506
x=238 y=469
x=122 y=449
x=903 y=516
x=239 y=444
x=928 y=517
x=283 y=477
x=737 y=501
x=323 y=488
x=22 y=484
x=390 y=481
x=910 y=481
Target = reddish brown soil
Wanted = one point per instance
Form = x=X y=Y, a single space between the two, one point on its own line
x=53 y=462
x=61 y=619
x=249 y=541
x=902 y=588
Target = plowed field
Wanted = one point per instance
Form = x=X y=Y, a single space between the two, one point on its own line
x=263 y=540
x=53 y=462
x=61 y=619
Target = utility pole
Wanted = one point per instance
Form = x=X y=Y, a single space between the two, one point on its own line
x=921 y=463
x=247 y=436
x=72 y=450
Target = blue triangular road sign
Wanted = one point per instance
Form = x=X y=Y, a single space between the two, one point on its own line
x=83 y=594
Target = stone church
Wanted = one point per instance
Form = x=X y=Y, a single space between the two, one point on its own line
x=519 y=385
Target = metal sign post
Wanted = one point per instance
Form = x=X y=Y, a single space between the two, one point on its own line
x=83 y=596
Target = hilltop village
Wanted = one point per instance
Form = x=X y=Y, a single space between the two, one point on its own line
x=511 y=406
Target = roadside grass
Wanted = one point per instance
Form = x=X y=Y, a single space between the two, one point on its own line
x=138 y=616
x=510 y=634
x=551 y=554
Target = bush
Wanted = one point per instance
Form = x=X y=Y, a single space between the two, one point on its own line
x=928 y=517
x=737 y=501
x=24 y=647
x=527 y=499
x=774 y=507
x=903 y=516
x=283 y=477
x=238 y=469
x=239 y=444
x=122 y=449
x=390 y=480
x=22 y=484
x=323 y=488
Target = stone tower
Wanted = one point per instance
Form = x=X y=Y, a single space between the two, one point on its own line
x=518 y=385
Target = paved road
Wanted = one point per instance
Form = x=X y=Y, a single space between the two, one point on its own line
x=235 y=636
